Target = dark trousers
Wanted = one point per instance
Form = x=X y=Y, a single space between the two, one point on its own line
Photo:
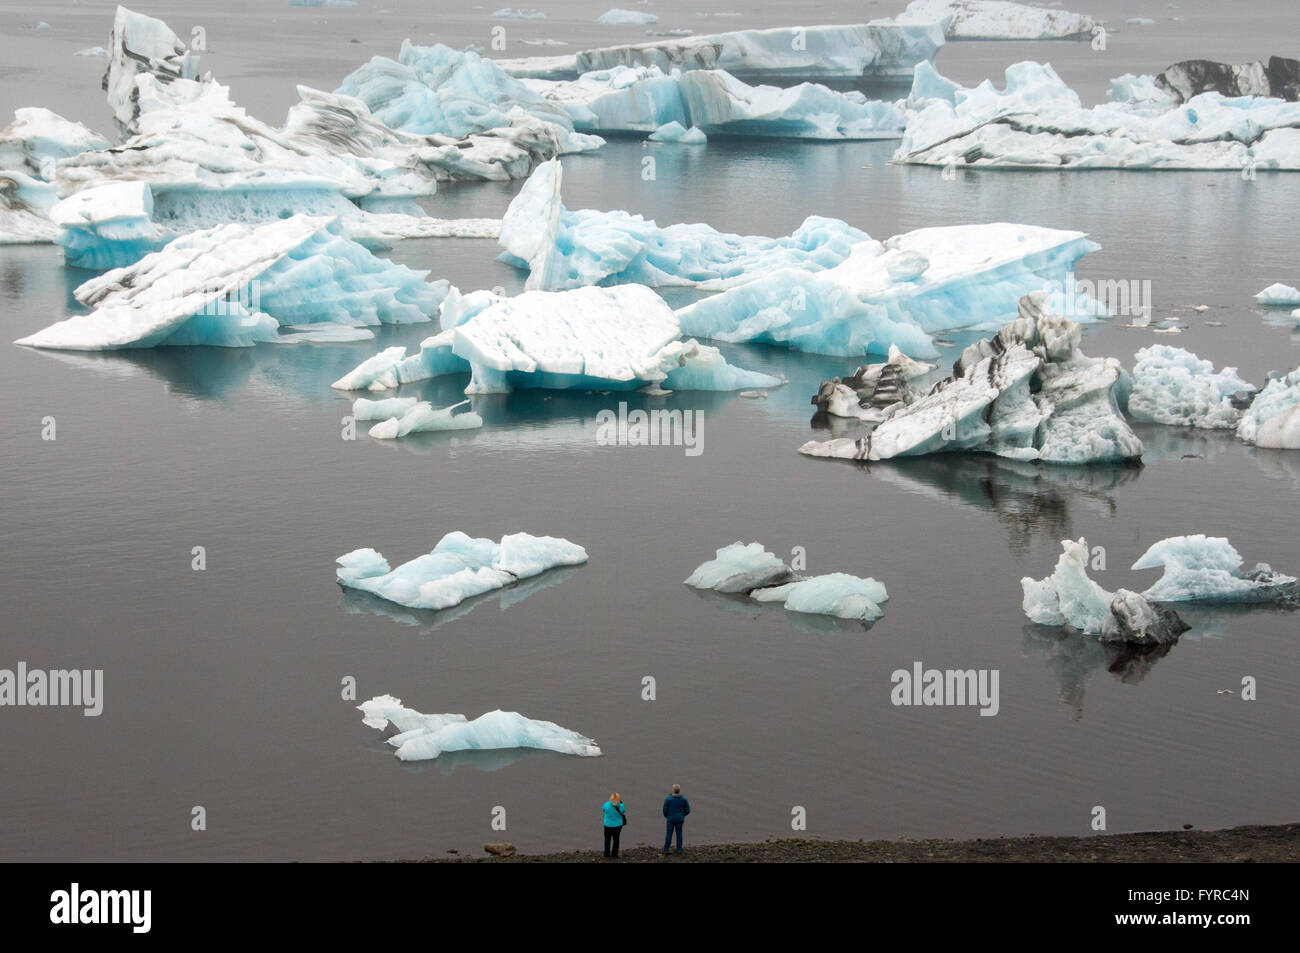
x=611 y=837
x=668 y=836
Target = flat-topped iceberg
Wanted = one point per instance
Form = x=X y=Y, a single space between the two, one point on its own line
x=235 y=285
x=1037 y=121
x=572 y=249
x=784 y=54
x=900 y=292
x=1174 y=386
x=1273 y=418
x=458 y=567
x=645 y=99
x=1069 y=597
x=1208 y=569
x=1028 y=393
x=617 y=15
x=997 y=20
x=107 y=226
x=424 y=737
x=619 y=338
x=38 y=138
x=751 y=570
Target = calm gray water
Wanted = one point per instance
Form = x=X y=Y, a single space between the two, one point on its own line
x=223 y=687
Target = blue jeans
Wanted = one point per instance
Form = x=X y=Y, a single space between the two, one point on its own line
x=668 y=836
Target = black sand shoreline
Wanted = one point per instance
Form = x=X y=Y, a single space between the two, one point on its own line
x=1251 y=844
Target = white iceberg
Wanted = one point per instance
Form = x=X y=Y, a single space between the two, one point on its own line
x=424 y=418
x=1069 y=597
x=423 y=737
x=783 y=54
x=572 y=249
x=1278 y=295
x=1037 y=121
x=235 y=285
x=836 y=594
x=740 y=567
x=1026 y=394
x=1174 y=386
x=512 y=13
x=141 y=44
x=363 y=409
x=675 y=132
x=900 y=291
x=1273 y=418
x=1208 y=569
x=458 y=567
x=997 y=20
x=37 y=139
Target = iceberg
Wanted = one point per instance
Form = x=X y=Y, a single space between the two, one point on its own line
x=1174 y=386
x=142 y=45
x=37 y=139
x=1037 y=121
x=997 y=20
x=740 y=567
x=363 y=409
x=1028 y=393
x=25 y=204
x=107 y=226
x=424 y=737
x=1279 y=78
x=235 y=285
x=510 y=13
x=834 y=594
x=1273 y=418
x=458 y=567
x=872 y=388
x=1069 y=597
x=899 y=292
x=423 y=418
x=784 y=54
x=1278 y=295
x=620 y=16
x=1208 y=569
x=564 y=249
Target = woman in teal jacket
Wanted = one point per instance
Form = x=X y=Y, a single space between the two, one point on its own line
x=614 y=813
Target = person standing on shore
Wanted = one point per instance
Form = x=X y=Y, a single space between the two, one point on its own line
x=676 y=808
x=614 y=814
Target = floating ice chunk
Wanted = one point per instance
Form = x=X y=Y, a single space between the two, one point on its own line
x=235 y=284
x=620 y=16
x=92 y=51
x=697 y=366
x=374 y=373
x=429 y=736
x=835 y=594
x=1140 y=21
x=564 y=249
x=138 y=45
x=1278 y=295
x=740 y=567
x=1279 y=78
x=107 y=226
x=1174 y=386
x=422 y=418
x=1070 y=597
x=1027 y=394
x=1273 y=418
x=876 y=50
x=511 y=13
x=897 y=293
x=37 y=139
x=871 y=388
x=1038 y=121
x=997 y=20
x=1208 y=569
x=458 y=567
x=25 y=209
x=363 y=409
x=675 y=132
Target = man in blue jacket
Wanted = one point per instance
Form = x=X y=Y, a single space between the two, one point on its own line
x=676 y=808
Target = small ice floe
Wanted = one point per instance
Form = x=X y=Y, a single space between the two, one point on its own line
x=675 y=132
x=1273 y=418
x=764 y=577
x=872 y=388
x=1201 y=308
x=1207 y=569
x=1278 y=295
x=92 y=51
x=423 y=418
x=1174 y=386
x=619 y=16
x=423 y=737
x=457 y=568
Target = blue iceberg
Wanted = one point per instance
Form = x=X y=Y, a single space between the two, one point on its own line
x=1208 y=569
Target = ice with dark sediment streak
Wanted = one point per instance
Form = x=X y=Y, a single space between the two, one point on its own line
x=424 y=737
x=1027 y=393
x=872 y=388
x=1208 y=569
